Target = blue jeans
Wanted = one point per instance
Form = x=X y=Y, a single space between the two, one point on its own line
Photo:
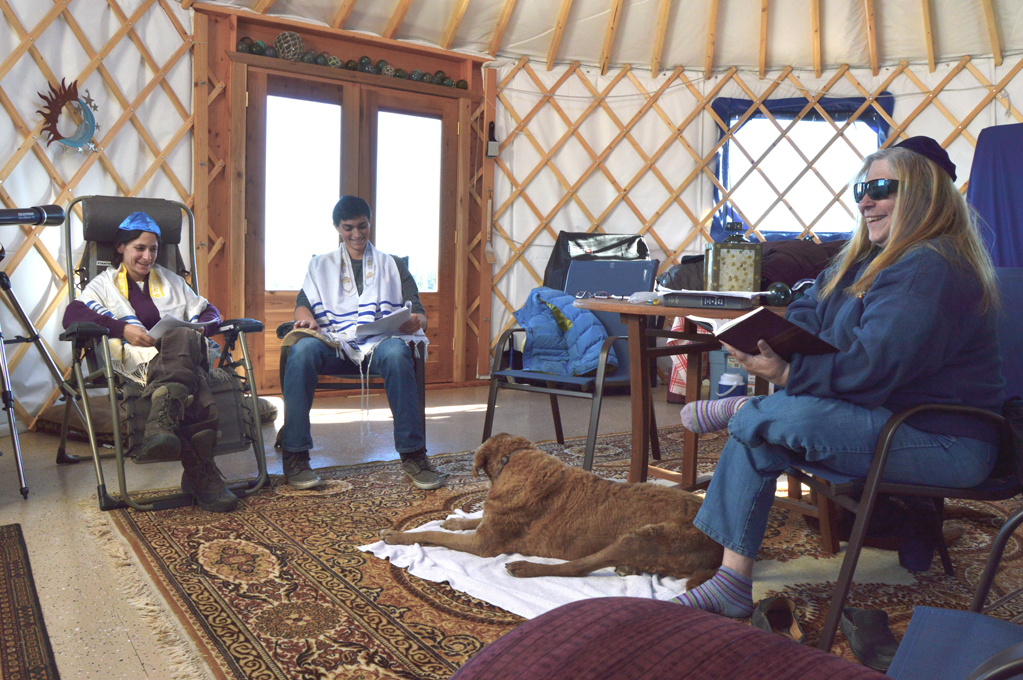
x=392 y=360
x=768 y=434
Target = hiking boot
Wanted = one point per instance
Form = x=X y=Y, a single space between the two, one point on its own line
x=202 y=478
x=168 y=406
x=298 y=472
x=417 y=467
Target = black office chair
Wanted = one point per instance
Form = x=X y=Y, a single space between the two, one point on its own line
x=234 y=393
x=858 y=495
x=615 y=277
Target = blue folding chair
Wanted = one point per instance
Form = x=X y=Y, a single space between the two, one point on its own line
x=614 y=277
x=858 y=495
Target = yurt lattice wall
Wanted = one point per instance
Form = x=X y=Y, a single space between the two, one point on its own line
x=624 y=153
x=131 y=58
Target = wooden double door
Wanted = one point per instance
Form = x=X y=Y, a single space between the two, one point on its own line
x=310 y=141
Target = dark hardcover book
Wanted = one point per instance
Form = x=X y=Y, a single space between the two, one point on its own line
x=709 y=300
x=784 y=337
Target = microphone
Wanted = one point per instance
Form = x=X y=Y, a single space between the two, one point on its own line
x=49 y=215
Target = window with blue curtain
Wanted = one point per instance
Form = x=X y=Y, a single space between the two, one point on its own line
x=812 y=197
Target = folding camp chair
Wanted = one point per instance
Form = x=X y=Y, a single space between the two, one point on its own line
x=614 y=277
x=234 y=393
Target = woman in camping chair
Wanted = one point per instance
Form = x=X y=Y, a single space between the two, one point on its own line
x=910 y=304
x=128 y=299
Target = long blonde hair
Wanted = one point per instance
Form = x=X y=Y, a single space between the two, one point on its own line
x=927 y=205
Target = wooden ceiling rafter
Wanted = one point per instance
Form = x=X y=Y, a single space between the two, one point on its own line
x=660 y=32
x=712 y=27
x=991 y=21
x=925 y=6
x=763 y=37
x=502 y=25
x=263 y=6
x=615 y=16
x=815 y=36
x=559 y=31
x=453 y=23
x=868 y=6
x=397 y=17
x=344 y=11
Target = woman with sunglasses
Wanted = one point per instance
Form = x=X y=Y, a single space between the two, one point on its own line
x=910 y=303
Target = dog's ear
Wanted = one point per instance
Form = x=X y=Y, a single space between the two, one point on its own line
x=494 y=453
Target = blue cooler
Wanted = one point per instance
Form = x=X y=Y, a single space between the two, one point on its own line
x=721 y=362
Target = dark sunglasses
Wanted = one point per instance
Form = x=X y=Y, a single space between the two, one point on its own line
x=599 y=295
x=875 y=188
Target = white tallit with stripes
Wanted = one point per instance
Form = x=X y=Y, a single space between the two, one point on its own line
x=107 y=294
x=339 y=308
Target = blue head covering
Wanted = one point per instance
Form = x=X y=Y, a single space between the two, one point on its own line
x=139 y=221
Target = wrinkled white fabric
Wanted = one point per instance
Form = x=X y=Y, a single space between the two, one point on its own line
x=485 y=578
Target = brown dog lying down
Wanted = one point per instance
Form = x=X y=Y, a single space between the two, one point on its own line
x=538 y=506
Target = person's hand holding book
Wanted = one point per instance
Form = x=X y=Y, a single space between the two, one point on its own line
x=767 y=365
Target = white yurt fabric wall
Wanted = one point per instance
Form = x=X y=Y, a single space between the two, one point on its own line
x=131 y=60
x=619 y=152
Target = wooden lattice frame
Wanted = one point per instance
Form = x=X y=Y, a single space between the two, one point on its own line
x=517 y=265
x=33 y=141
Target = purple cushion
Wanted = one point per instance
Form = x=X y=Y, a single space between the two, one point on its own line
x=624 y=638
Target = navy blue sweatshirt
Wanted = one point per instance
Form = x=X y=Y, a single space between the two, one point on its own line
x=915 y=337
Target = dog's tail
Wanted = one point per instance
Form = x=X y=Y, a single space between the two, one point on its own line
x=699 y=576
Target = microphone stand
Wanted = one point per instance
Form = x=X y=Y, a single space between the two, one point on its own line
x=48 y=215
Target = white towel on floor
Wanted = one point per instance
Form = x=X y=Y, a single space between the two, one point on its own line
x=486 y=578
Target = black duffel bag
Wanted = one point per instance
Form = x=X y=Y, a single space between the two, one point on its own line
x=572 y=245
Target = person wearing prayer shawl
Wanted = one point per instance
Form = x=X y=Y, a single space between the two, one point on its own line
x=128 y=299
x=353 y=285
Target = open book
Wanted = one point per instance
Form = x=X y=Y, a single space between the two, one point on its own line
x=784 y=337
x=167 y=323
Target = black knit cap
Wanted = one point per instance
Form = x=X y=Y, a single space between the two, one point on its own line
x=931 y=150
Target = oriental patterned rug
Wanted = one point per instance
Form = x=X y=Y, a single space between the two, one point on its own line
x=26 y=652
x=278 y=588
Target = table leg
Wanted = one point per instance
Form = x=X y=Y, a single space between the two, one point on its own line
x=639 y=380
x=690 y=440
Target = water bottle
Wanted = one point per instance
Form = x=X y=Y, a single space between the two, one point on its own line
x=730 y=385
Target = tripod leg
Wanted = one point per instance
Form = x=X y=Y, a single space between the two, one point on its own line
x=51 y=365
x=8 y=400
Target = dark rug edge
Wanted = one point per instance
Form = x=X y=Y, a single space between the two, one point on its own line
x=36 y=605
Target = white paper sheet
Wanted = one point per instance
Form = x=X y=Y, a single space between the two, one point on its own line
x=387 y=325
x=168 y=323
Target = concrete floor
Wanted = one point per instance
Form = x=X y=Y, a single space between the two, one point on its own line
x=96 y=633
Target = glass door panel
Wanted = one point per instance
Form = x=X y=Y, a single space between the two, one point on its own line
x=303 y=176
x=408 y=192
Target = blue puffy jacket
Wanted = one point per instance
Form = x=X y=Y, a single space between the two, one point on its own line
x=560 y=339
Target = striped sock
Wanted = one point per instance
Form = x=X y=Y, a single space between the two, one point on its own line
x=728 y=593
x=710 y=415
